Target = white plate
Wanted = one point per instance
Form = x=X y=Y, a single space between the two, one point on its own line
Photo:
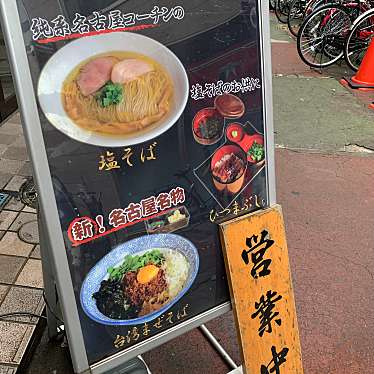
x=67 y=58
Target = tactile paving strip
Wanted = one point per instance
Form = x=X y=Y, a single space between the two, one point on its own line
x=4 y=198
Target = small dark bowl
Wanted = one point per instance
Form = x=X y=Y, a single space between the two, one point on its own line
x=204 y=114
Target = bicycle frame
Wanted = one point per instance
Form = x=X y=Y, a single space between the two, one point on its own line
x=360 y=6
x=365 y=34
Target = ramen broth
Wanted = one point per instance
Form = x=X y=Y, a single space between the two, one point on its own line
x=145 y=101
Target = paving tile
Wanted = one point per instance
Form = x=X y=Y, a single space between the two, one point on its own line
x=14 y=338
x=10 y=122
x=8 y=139
x=10 y=166
x=14 y=122
x=6 y=369
x=15 y=204
x=3 y=148
x=6 y=219
x=21 y=299
x=16 y=153
x=26 y=169
x=23 y=218
x=2 y=234
x=10 y=128
x=15 y=183
x=28 y=209
x=9 y=268
x=31 y=275
x=16 y=118
x=12 y=245
x=3 y=291
x=19 y=142
x=4 y=178
x=36 y=252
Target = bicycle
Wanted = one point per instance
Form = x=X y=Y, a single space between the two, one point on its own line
x=322 y=35
x=282 y=10
x=296 y=16
x=299 y=10
x=359 y=39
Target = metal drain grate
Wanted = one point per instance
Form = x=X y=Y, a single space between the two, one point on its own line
x=28 y=194
x=29 y=232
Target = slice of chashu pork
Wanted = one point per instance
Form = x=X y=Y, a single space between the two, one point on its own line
x=128 y=70
x=95 y=74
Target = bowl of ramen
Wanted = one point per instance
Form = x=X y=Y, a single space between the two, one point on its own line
x=113 y=89
x=140 y=279
x=228 y=166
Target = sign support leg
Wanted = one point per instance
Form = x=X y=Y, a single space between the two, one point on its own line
x=48 y=280
x=238 y=370
x=214 y=342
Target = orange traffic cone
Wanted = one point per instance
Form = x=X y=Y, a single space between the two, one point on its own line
x=365 y=75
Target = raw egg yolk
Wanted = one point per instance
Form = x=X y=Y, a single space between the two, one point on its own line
x=147 y=273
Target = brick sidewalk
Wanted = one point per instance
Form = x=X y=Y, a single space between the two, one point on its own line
x=21 y=283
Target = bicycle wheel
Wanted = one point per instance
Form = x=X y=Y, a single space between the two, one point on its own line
x=359 y=39
x=321 y=37
x=296 y=16
x=313 y=5
x=282 y=9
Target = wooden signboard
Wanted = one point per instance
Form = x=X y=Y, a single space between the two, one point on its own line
x=257 y=263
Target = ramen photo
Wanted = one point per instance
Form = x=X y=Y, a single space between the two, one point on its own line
x=114 y=89
x=118 y=93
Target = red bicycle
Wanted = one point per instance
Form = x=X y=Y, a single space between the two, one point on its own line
x=359 y=39
x=322 y=35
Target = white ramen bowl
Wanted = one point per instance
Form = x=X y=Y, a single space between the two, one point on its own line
x=67 y=58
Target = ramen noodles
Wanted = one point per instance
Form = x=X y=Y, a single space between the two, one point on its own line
x=118 y=93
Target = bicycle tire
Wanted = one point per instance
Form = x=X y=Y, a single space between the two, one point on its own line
x=325 y=47
x=359 y=24
x=272 y=4
x=296 y=13
x=313 y=5
x=281 y=10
